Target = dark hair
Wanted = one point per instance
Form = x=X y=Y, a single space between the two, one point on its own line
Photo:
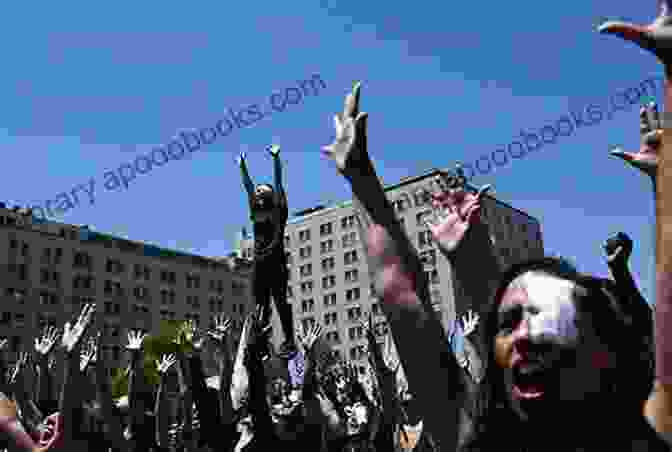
x=597 y=297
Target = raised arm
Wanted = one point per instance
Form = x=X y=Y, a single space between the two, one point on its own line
x=274 y=150
x=207 y=407
x=70 y=399
x=309 y=343
x=618 y=249
x=657 y=38
x=161 y=408
x=399 y=280
x=135 y=404
x=220 y=335
x=114 y=432
x=247 y=180
x=240 y=378
x=44 y=346
x=258 y=406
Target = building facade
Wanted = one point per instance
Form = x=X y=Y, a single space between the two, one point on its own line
x=50 y=270
x=329 y=280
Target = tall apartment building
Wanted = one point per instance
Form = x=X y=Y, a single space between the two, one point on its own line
x=48 y=271
x=329 y=280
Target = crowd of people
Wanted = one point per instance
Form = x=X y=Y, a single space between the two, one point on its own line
x=562 y=360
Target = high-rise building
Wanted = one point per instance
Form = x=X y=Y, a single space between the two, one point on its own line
x=50 y=270
x=329 y=280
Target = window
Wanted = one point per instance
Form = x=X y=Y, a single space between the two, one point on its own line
x=287 y=241
x=424 y=238
x=305 y=252
x=83 y=282
x=193 y=301
x=330 y=318
x=114 y=266
x=289 y=257
x=372 y=290
x=306 y=287
x=238 y=287
x=20 y=270
x=352 y=276
x=48 y=298
x=325 y=229
x=217 y=286
x=328 y=264
x=436 y=296
x=350 y=257
x=356 y=332
x=354 y=313
x=375 y=309
x=113 y=288
x=13 y=244
x=328 y=282
x=352 y=294
x=24 y=250
x=523 y=228
x=422 y=217
x=306 y=270
x=193 y=282
x=329 y=300
x=290 y=293
x=82 y=260
x=327 y=246
x=307 y=305
x=348 y=222
x=349 y=239
x=428 y=258
x=141 y=272
x=168 y=277
x=506 y=252
x=167 y=296
x=304 y=235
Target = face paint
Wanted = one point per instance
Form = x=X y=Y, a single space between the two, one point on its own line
x=548 y=304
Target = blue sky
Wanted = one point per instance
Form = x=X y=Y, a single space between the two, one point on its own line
x=85 y=88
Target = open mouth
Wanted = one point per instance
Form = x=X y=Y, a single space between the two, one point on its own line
x=530 y=381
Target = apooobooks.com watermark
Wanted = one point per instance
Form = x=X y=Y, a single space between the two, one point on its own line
x=590 y=114
x=180 y=147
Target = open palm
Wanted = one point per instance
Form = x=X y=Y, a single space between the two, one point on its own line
x=651 y=129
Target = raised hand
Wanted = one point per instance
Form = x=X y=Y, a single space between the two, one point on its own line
x=454 y=211
x=18 y=367
x=655 y=37
x=651 y=130
x=309 y=339
x=72 y=334
x=3 y=343
x=241 y=159
x=618 y=248
x=221 y=330
x=135 y=340
x=165 y=364
x=189 y=334
x=45 y=343
x=469 y=322
x=90 y=353
x=350 y=144
x=274 y=150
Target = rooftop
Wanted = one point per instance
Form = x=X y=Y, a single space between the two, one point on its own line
x=305 y=214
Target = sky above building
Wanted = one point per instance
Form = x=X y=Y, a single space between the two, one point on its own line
x=86 y=88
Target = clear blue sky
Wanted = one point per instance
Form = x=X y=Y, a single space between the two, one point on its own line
x=442 y=81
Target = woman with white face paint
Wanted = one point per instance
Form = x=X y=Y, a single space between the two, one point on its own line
x=565 y=369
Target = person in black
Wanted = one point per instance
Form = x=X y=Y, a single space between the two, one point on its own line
x=269 y=214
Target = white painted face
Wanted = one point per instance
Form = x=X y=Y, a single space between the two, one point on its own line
x=548 y=305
